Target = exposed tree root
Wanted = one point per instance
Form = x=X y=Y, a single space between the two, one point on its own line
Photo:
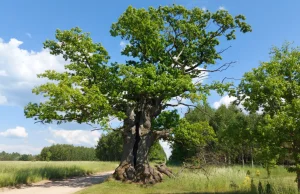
x=142 y=173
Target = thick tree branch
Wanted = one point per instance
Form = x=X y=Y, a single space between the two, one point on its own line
x=114 y=129
x=163 y=134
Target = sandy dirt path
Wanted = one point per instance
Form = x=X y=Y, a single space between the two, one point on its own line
x=67 y=186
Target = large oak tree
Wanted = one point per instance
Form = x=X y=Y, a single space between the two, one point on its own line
x=169 y=50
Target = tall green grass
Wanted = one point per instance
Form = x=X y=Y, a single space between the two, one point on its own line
x=226 y=180
x=13 y=173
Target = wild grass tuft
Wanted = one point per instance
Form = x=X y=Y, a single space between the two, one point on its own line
x=226 y=180
x=17 y=172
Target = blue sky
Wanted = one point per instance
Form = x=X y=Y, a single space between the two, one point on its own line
x=25 y=25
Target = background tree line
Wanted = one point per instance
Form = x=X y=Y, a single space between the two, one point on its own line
x=4 y=156
x=109 y=148
x=227 y=135
x=65 y=152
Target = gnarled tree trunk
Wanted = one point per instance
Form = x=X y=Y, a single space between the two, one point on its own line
x=138 y=138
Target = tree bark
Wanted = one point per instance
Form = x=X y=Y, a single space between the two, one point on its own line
x=138 y=138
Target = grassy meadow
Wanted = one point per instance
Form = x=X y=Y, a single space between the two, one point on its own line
x=226 y=180
x=13 y=173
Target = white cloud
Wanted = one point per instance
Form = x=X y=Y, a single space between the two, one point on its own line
x=201 y=77
x=3 y=99
x=76 y=136
x=29 y=35
x=22 y=149
x=51 y=141
x=204 y=8
x=19 y=69
x=3 y=73
x=222 y=8
x=18 y=132
x=123 y=44
x=167 y=148
x=226 y=100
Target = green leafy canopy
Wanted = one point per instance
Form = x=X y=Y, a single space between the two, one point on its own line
x=168 y=47
x=275 y=87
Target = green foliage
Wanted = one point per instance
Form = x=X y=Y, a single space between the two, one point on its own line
x=27 y=157
x=157 y=153
x=200 y=113
x=234 y=141
x=110 y=147
x=189 y=139
x=274 y=87
x=16 y=156
x=167 y=48
x=193 y=134
x=9 y=156
x=64 y=152
x=166 y=120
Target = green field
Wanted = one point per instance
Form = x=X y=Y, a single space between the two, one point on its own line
x=227 y=180
x=220 y=180
x=13 y=173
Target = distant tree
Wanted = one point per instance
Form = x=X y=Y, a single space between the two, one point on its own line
x=45 y=154
x=234 y=135
x=109 y=148
x=9 y=156
x=189 y=139
x=274 y=87
x=157 y=153
x=64 y=152
x=26 y=157
x=200 y=113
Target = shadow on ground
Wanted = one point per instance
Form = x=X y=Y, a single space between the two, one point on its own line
x=76 y=182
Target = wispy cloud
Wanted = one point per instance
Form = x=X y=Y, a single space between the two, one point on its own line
x=222 y=8
x=3 y=73
x=123 y=44
x=51 y=141
x=3 y=99
x=29 y=35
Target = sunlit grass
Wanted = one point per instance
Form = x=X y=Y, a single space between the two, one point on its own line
x=227 y=180
x=13 y=173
